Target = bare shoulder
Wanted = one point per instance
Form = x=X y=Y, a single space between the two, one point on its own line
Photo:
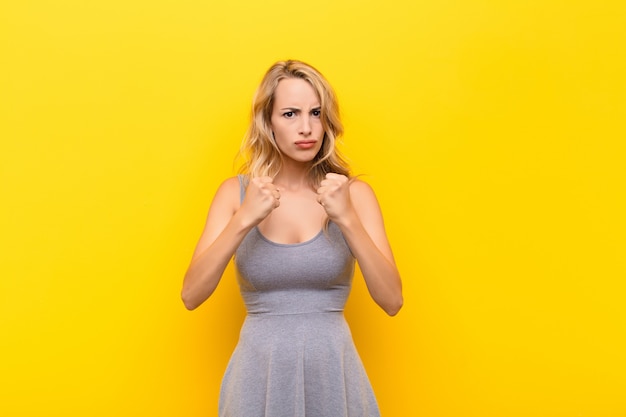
x=365 y=202
x=228 y=193
x=369 y=212
x=230 y=185
x=361 y=191
x=224 y=205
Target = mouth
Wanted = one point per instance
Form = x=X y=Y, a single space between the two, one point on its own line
x=306 y=144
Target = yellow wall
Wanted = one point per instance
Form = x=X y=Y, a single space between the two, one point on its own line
x=493 y=133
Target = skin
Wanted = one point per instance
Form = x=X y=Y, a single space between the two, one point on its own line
x=287 y=210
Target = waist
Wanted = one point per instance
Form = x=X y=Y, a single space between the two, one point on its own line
x=294 y=301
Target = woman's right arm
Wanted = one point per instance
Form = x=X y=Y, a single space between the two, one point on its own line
x=226 y=226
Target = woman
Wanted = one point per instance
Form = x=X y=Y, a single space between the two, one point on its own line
x=295 y=222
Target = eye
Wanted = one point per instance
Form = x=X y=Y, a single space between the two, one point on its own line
x=316 y=112
x=289 y=114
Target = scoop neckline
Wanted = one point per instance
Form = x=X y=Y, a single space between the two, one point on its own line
x=293 y=245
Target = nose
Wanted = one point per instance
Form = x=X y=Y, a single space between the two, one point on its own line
x=305 y=127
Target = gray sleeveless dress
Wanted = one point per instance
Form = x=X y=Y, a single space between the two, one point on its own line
x=295 y=356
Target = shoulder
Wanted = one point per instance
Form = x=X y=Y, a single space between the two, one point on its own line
x=365 y=202
x=228 y=193
x=360 y=190
x=230 y=184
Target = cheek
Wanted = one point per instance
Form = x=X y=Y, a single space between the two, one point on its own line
x=320 y=130
x=278 y=124
x=279 y=131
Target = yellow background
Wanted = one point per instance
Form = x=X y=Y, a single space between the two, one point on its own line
x=493 y=133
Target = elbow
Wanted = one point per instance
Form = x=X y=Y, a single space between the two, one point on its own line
x=393 y=308
x=189 y=306
x=188 y=301
x=193 y=297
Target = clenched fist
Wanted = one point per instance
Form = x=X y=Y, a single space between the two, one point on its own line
x=334 y=195
x=262 y=196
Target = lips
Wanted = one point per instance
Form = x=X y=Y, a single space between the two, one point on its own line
x=306 y=144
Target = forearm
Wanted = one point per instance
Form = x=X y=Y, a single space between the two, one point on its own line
x=207 y=267
x=380 y=272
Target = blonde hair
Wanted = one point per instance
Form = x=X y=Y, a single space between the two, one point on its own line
x=259 y=149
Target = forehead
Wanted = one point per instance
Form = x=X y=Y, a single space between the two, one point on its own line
x=295 y=91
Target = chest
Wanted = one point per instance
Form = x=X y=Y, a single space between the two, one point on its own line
x=298 y=219
x=323 y=262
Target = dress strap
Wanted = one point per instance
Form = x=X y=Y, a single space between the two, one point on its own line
x=243 y=183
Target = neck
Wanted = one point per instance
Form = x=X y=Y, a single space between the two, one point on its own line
x=293 y=176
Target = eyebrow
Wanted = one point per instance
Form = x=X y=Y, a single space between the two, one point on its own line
x=299 y=109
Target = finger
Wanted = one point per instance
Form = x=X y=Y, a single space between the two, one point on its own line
x=331 y=182
x=328 y=189
x=334 y=176
x=268 y=187
x=325 y=187
x=265 y=180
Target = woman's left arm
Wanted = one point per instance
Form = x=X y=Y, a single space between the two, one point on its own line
x=353 y=206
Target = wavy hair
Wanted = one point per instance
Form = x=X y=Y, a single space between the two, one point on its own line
x=259 y=149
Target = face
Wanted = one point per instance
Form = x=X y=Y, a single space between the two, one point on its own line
x=296 y=120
